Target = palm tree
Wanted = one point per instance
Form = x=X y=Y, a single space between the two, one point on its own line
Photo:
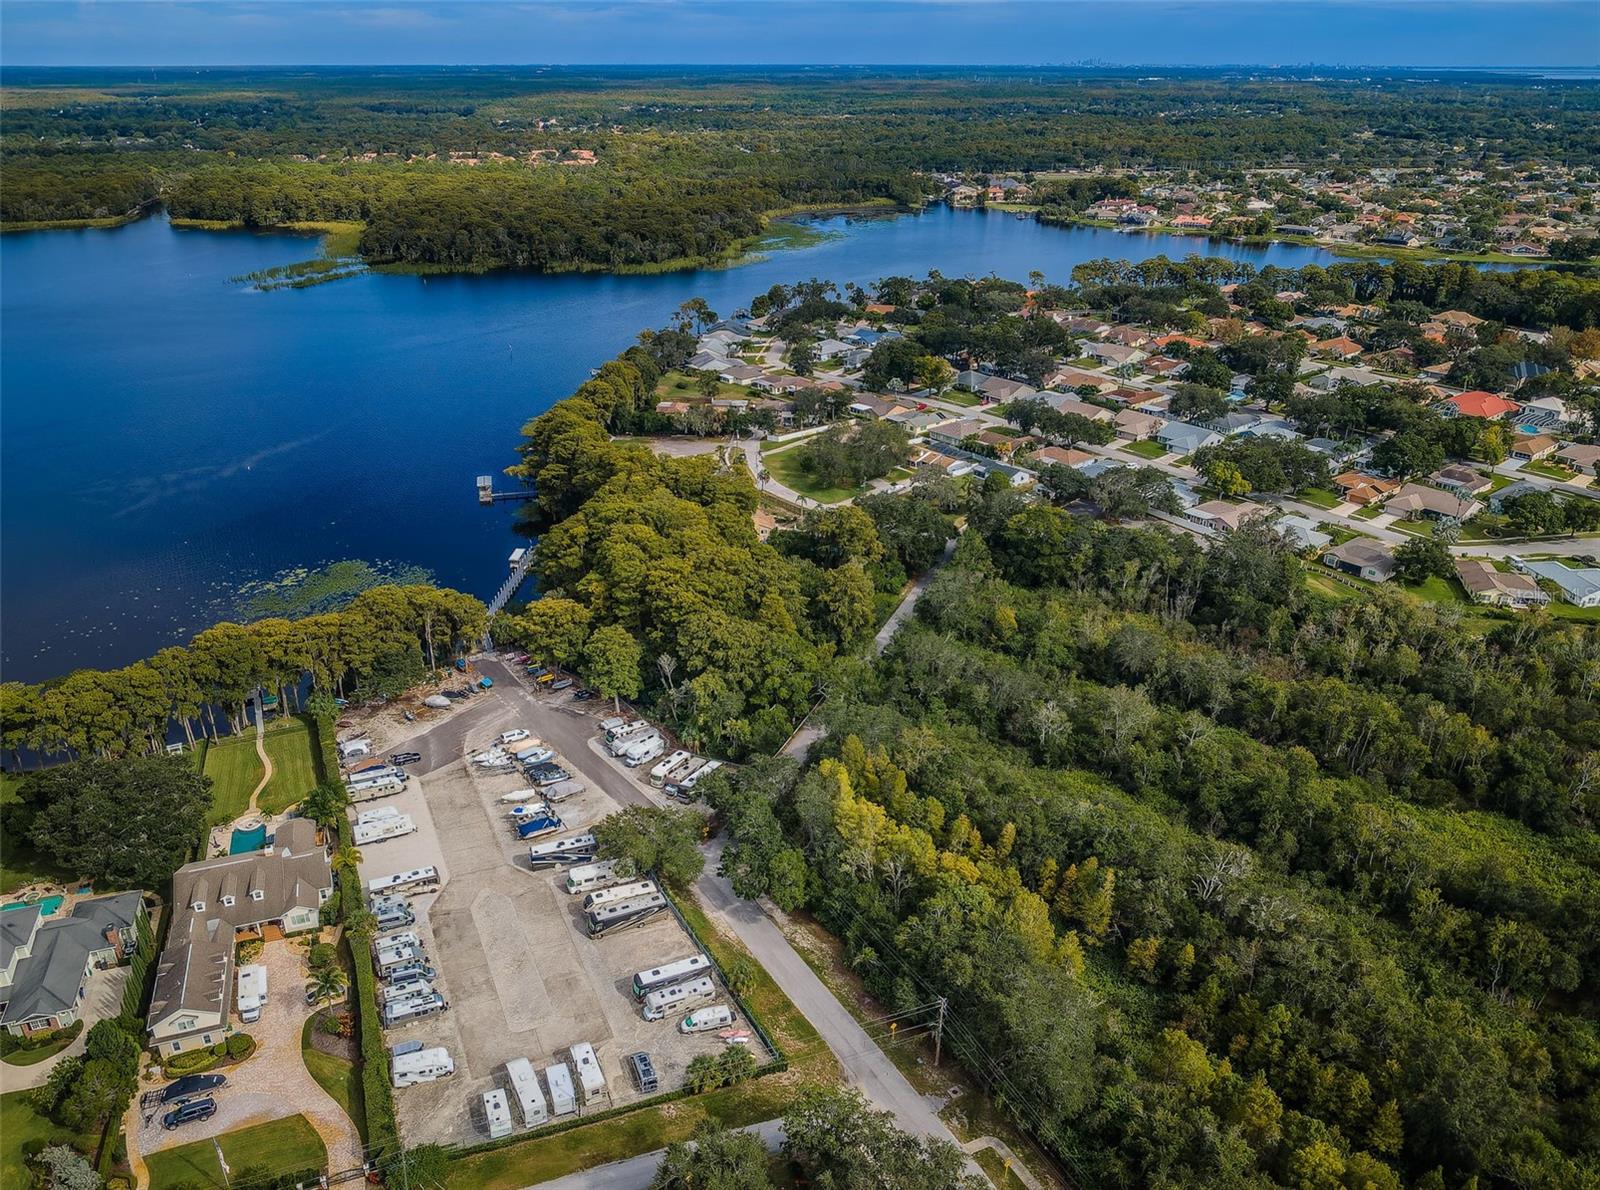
x=326 y=985
x=347 y=859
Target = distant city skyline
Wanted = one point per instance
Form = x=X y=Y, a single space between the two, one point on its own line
x=1552 y=34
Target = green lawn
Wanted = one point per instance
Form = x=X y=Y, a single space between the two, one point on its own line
x=235 y=771
x=1415 y=528
x=679 y=386
x=1318 y=498
x=960 y=396
x=339 y=1077
x=1145 y=449
x=20 y=864
x=1436 y=590
x=1498 y=481
x=785 y=468
x=33 y=1057
x=294 y=765
x=267 y=1150
x=1550 y=472
x=1369 y=513
x=998 y=1169
x=1329 y=588
x=18 y=1126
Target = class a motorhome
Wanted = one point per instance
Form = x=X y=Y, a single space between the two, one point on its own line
x=407 y=973
x=661 y=1001
x=412 y=1010
x=612 y=728
x=415 y=878
x=590 y=1077
x=586 y=877
x=622 y=915
x=563 y=1099
x=496 y=1113
x=525 y=1091
x=671 y=972
x=689 y=782
x=418 y=1065
x=394 y=956
x=631 y=736
x=417 y=989
x=622 y=892
x=644 y=751
x=659 y=774
x=563 y=851
x=702 y=1020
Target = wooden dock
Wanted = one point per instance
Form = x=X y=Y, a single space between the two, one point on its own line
x=487 y=494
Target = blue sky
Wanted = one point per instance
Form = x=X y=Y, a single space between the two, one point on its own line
x=1562 y=33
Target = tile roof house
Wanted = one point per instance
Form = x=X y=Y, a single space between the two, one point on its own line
x=1073 y=378
x=216 y=902
x=1220 y=515
x=1461 y=479
x=1477 y=404
x=1133 y=426
x=45 y=961
x=1485 y=584
x=1364 y=558
x=1342 y=347
x=1081 y=408
x=1064 y=457
x=1414 y=499
x=1580 y=456
x=1360 y=488
x=1114 y=354
x=1530 y=447
x=958 y=430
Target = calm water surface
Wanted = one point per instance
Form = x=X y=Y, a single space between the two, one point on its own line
x=167 y=435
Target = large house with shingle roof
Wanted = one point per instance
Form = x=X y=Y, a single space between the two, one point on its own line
x=217 y=903
x=45 y=961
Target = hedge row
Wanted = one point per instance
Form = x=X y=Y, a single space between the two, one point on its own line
x=383 y=1133
x=133 y=991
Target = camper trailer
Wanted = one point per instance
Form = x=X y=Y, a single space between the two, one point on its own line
x=496 y=1113
x=420 y=1066
x=622 y=915
x=591 y=876
x=252 y=992
x=590 y=1076
x=659 y=774
x=563 y=1099
x=622 y=892
x=416 y=878
x=383 y=829
x=644 y=751
x=703 y=1020
x=667 y=973
x=659 y=1003
x=525 y=1090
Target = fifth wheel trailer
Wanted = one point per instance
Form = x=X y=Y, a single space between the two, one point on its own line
x=563 y=1098
x=525 y=1091
x=421 y=1066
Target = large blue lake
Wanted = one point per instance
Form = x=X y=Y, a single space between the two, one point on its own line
x=168 y=436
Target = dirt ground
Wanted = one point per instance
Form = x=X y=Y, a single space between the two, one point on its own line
x=522 y=977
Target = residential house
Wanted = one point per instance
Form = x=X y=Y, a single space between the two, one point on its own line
x=740 y=374
x=1003 y=445
x=1327 y=381
x=1497 y=500
x=1128 y=336
x=1477 y=403
x=1578 y=586
x=1364 y=558
x=1081 y=408
x=1531 y=447
x=1548 y=413
x=215 y=904
x=1061 y=456
x=1180 y=437
x=831 y=348
x=1301 y=532
x=1461 y=479
x=1164 y=367
x=1343 y=347
x=710 y=361
x=1133 y=426
x=1070 y=379
x=1485 y=584
x=917 y=421
x=45 y=961
x=999 y=388
x=955 y=432
x=1219 y=515
x=672 y=408
x=1415 y=500
x=1114 y=355
x=1233 y=423
x=1580 y=456
x=867 y=405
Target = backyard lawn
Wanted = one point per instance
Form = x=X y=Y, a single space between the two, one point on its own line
x=260 y=1153
x=20 y=864
x=294 y=765
x=18 y=1126
x=681 y=386
x=337 y=1076
x=1145 y=449
x=786 y=469
x=235 y=771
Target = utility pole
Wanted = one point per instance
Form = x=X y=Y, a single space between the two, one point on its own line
x=938 y=1031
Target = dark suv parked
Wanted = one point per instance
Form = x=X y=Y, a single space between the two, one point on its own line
x=195 y=1109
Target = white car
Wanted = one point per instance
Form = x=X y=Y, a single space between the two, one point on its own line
x=513 y=736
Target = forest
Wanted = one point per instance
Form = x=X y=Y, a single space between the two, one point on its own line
x=454 y=171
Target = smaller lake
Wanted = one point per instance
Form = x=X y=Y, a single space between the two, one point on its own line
x=168 y=435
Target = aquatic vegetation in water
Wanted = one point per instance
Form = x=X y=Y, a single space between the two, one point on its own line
x=303 y=591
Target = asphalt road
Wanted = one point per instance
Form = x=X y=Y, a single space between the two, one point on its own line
x=635 y=1173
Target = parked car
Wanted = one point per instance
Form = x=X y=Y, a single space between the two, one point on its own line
x=195 y=1109
x=405 y=758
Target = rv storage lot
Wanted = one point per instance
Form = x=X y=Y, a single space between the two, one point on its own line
x=522 y=977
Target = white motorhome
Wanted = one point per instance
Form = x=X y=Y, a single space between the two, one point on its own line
x=617 y=742
x=663 y=1000
x=562 y=851
x=644 y=751
x=590 y=1076
x=621 y=915
x=702 y=1020
x=659 y=774
x=252 y=992
x=563 y=1099
x=412 y=1010
x=622 y=892
x=612 y=728
x=377 y=813
x=496 y=1113
x=383 y=829
x=394 y=915
x=667 y=973
x=393 y=956
x=694 y=778
x=525 y=1090
x=416 y=877
x=418 y=989
x=591 y=876
x=375 y=787
x=421 y=1066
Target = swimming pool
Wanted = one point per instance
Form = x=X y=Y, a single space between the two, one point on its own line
x=253 y=839
x=1528 y=429
x=47 y=905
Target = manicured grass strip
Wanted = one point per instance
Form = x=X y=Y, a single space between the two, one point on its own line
x=32 y=1057
x=265 y=1151
x=235 y=771
x=19 y=1126
x=958 y=396
x=1318 y=498
x=339 y=1077
x=1145 y=449
x=1370 y=513
x=786 y=469
x=294 y=766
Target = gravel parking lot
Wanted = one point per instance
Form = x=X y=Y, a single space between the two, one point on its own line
x=522 y=977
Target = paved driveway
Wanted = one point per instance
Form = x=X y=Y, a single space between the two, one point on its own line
x=103 y=999
x=274 y=1082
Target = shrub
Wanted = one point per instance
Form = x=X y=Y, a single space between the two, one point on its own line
x=239 y=1045
x=193 y=1062
x=329 y=913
